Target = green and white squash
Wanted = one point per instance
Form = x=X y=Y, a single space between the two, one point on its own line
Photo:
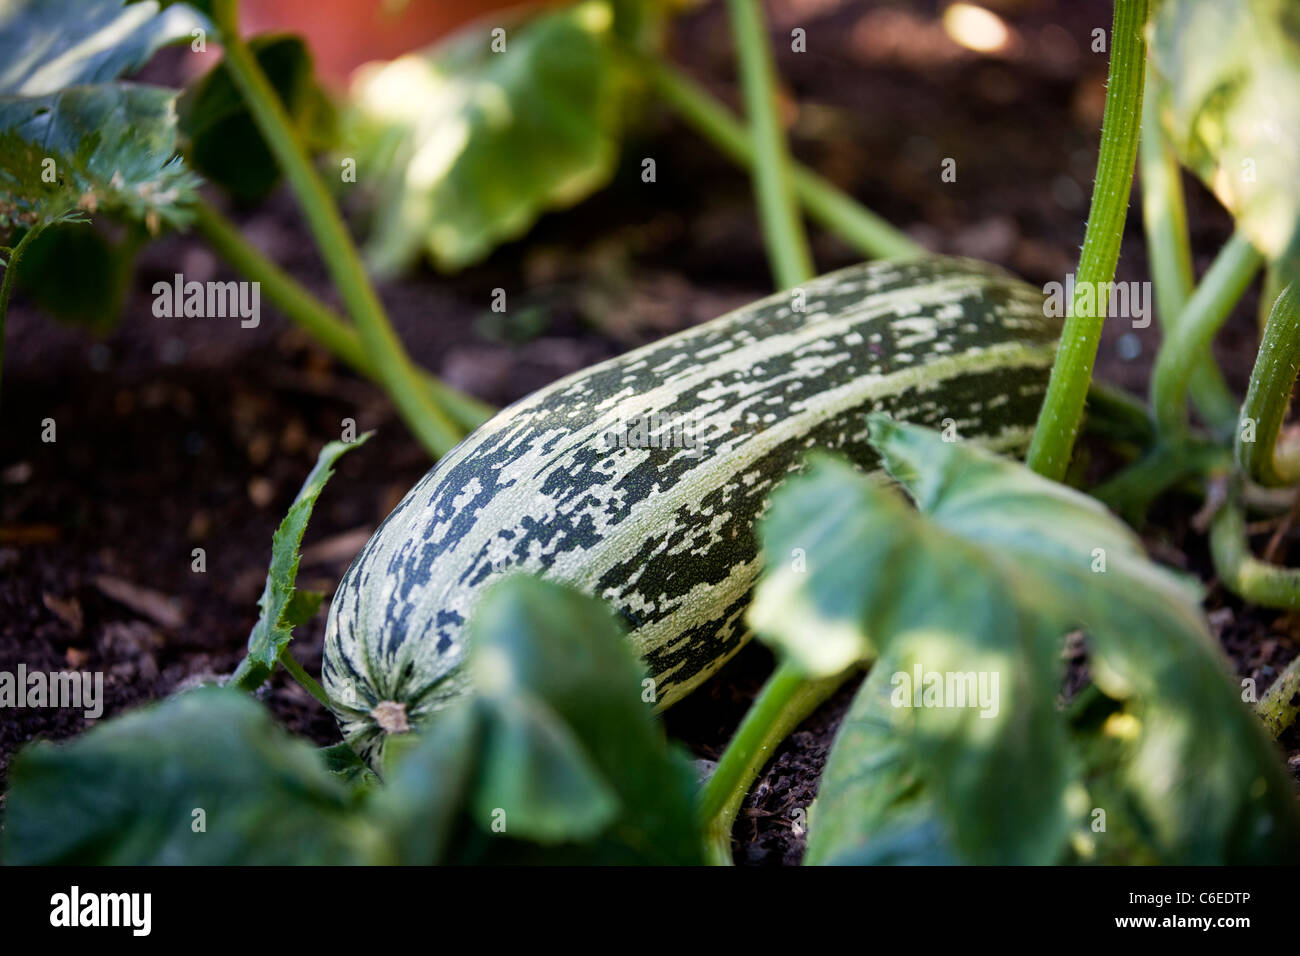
x=574 y=482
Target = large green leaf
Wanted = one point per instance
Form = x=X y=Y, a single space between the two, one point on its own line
x=464 y=147
x=49 y=45
x=554 y=759
x=203 y=778
x=224 y=143
x=98 y=149
x=1231 y=105
x=283 y=606
x=995 y=567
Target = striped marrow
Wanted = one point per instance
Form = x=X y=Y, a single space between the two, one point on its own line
x=639 y=480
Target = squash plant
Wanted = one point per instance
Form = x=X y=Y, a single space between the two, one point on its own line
x=491 y=715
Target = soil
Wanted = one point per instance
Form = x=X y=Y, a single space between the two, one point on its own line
x=174 y=435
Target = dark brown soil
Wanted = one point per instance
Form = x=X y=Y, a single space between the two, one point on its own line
x=181 y=434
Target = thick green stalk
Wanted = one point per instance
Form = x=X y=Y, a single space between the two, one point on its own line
x=1240 y=571
x=1206 y=311
x=1269 y=396
x=431 y=425
x=833 y=208
x=1278 y=708
x=1164 y=217
x=7 y=284
x=1058 y=423
x=786 y=701
x=283 y=291
x=787 y=246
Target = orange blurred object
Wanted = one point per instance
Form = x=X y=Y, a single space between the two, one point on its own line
x=343 y=34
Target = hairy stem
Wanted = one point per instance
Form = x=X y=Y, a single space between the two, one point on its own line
x=1240 y=571
x=787 y=246
x=786 y=700
x=1058 y=422
x=833 y=208
x=1278 y=708
x=431 y=424
x=1269 y=396
x=316 y=318
x=1164 y=217
x=7 y=284
x=1206 y=311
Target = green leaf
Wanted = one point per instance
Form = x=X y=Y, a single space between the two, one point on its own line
x=571 y=749
x=225 y=144
x=49 y=45
x=128 y=791
x=103 y=267
x=99 y=149
x=539 y=776
x=428 y=785
x=283 y=607
x=465 y=147
x=997 y=565
x=1231 y=106
x=871 y=798
x=70 y=139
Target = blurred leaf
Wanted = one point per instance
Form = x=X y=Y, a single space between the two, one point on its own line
x=428 y=784
x=100 y=149
x=224 y=142
x=999 y=563
x=538 y=774
x=283 y=606
x=465 y=148
x=126 y=792
x=1231 y=106
x=571 y=749
x=872 y=806
x=49 y=45
x=75 y=272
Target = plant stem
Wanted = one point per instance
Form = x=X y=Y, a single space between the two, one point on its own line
x=1189 y=339
x=1240 y=571
x=1131 y=491
x=7 y=284
x=1164 y=216
x=1278 y=708
x=302 y=677
x=1269 y=395
x=399 y=377
x=837 y=211
x=316 y=317
x=786 y=700
x=1058 y=422
x=787 y=246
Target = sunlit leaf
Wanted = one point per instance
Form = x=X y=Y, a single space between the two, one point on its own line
x=1231 y=105
x=984 y=580
x=465 y=147
x=48 y=45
